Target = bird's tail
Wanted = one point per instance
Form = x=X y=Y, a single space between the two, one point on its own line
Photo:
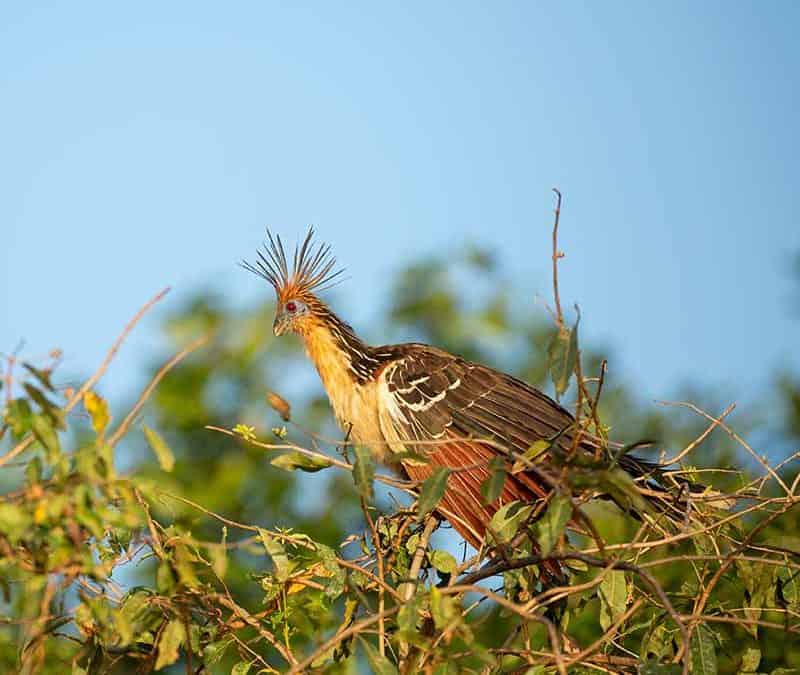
x=673 y=500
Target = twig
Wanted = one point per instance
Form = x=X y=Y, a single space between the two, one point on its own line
x=407 y=589
x=376 y=544
x=556 y=256
x=78 y=395
x=356 y=628
x=169 y=365
x=737 y=438
x=697 y=441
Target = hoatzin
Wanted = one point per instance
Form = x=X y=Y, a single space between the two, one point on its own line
x=417 y=399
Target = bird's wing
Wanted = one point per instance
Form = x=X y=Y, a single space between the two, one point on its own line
x=427 y=395
x=460 y=415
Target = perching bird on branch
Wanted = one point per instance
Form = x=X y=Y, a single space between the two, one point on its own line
x=420 y=400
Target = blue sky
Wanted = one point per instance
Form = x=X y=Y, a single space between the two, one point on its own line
x=148 y=145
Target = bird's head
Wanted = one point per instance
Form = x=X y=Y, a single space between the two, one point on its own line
x=312 y=271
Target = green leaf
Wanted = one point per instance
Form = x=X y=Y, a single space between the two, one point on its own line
x=241 y=668
x=659 y=641
x=432 y=491
x=278 y=554
x=364 y=471
x=529 y=456
x=47 y=436
x=535 y=670
x=551 y=525
x=407 y=618
x=169 y=644
x=219 y=555
x=380 y=665
x=760 y=583
x=504 y=523
x=290 y=461
x=787 y=589
x=161 y=450
x=19 y=415
x=443 y=561
x=750 y=660
x=613 y=594
x=337 y=578
x=618 y=484
x=49 y=408
x=14 y=521
x=214 y=651
x=411 y=458
x=704 y=653
x=562 y=354
x=165 y=578
x=443 y=608
x=656 y=668
x=493 y=486
x=42 y=375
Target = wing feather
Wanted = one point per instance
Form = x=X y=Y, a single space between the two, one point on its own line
x=447 y=408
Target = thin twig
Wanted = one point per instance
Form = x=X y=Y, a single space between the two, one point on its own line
x=557 y=255
x=169 y=365
x=78 y=395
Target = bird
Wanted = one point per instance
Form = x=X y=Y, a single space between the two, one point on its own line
x=415 y=400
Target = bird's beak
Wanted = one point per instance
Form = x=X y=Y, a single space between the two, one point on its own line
x=281 y=324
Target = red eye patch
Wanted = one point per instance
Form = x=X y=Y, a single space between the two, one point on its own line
x=291 y=306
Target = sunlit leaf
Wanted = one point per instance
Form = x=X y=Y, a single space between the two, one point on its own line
x=97 y=407
x=562 y=355
x=245 y=431
x=504 y=523
x=529 y=456
x=336 y=576
x=161 y=450
x=297 y=460
x=169 y=643
x=443 y=561
x=751 y=657
x=278 y=554
x=219 y=555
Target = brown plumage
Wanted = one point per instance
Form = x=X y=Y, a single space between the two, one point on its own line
x=414 y=397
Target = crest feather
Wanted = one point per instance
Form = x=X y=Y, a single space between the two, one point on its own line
x=313 y=266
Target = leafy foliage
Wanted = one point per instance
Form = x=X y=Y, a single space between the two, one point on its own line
x=213 y=540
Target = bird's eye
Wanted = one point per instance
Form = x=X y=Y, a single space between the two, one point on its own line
x=291 y=306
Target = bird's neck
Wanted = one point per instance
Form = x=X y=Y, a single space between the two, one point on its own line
x=340 y=356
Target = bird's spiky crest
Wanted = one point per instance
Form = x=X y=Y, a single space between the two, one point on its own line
x=313 y=266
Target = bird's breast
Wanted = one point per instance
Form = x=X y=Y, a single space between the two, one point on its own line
x=354 y=404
